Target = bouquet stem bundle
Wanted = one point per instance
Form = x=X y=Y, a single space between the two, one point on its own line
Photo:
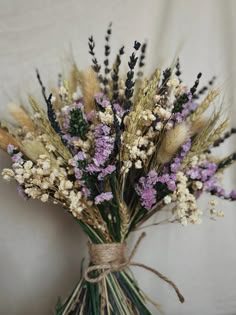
x=110 y=285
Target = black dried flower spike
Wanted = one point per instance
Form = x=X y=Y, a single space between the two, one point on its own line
x=50 y=111
x=129 y=83
x=178 y=72
x=224 y=137
x=115 y=76
x=141 y=59
x=204 y=88
x=183 y=99
x=227 y=161
x=96 y=66
x=106 y=61
x=196 y=83
x=166 y=75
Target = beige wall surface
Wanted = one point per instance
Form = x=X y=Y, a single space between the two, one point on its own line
x=40 y=245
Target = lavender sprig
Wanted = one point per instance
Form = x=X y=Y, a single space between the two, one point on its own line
x=96 y=66
x=141 y=59
x=115 y=75
x=50 y=111
x=106 y=61
x=129 y=83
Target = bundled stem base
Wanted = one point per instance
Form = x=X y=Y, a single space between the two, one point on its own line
x=116 y=294
x=108 y=287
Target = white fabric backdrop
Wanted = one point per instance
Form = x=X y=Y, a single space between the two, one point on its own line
x=40 y=246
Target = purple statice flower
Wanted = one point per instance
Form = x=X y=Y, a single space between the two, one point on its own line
x=103 y=197
x=119 y=110
x=104 y=144
x=146 y=190
x=78 y=173
x=85 y=191
x=11 y=148
x=146 y=187
x=17 y=158
x=176 y=164
x=233 y=194
x=203 y=172
x=100 y=99
x=80 y=156
x=92 y=169
x=106 y=171
x=148 y=197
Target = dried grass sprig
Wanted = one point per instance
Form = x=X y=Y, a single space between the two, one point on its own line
x=211 y=96
x=90 y=87
x=45 y=127
x=21 y=116
x=6 y=138
x=172 y=141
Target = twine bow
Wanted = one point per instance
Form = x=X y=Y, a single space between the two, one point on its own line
x=109 y=258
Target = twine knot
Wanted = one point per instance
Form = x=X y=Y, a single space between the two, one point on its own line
x=110 y=257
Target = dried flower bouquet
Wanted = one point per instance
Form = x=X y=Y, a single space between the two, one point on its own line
x=114 y=150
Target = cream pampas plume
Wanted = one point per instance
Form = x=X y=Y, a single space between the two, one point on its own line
x=172 y=141
x=197 y=126
x=21 y=116
x=5 y=139
x=90 y=87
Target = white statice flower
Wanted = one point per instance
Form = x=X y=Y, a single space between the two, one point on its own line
x=126 y=167
x=46 y=165
x=19 y=179
x=173 y=82
x=167 y=199
x=159 y=126
x=44 y=197
x=194 y=161
x=213 y=202
x=33 y=192
x=198 y=184
x=68 y=184
x=138 y=164
x=44 y=185
x=107 y=117
x=28 y=165
x=186 y=209
x=8 y=174
x=75 y=203
x=220 y=214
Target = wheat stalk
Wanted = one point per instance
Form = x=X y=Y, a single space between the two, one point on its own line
x=204 y=105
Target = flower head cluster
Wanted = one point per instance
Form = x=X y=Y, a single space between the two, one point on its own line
x=113 y=150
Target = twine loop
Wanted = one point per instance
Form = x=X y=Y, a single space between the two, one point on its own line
x=110 y=257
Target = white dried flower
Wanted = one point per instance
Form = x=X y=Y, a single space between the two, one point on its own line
x=44 y=198
x=167 y=199
x=138 y=164
x=8 y=174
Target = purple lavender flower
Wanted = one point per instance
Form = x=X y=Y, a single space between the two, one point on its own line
x=103 y=197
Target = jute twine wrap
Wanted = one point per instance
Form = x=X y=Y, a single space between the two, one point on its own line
x=108 y=258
